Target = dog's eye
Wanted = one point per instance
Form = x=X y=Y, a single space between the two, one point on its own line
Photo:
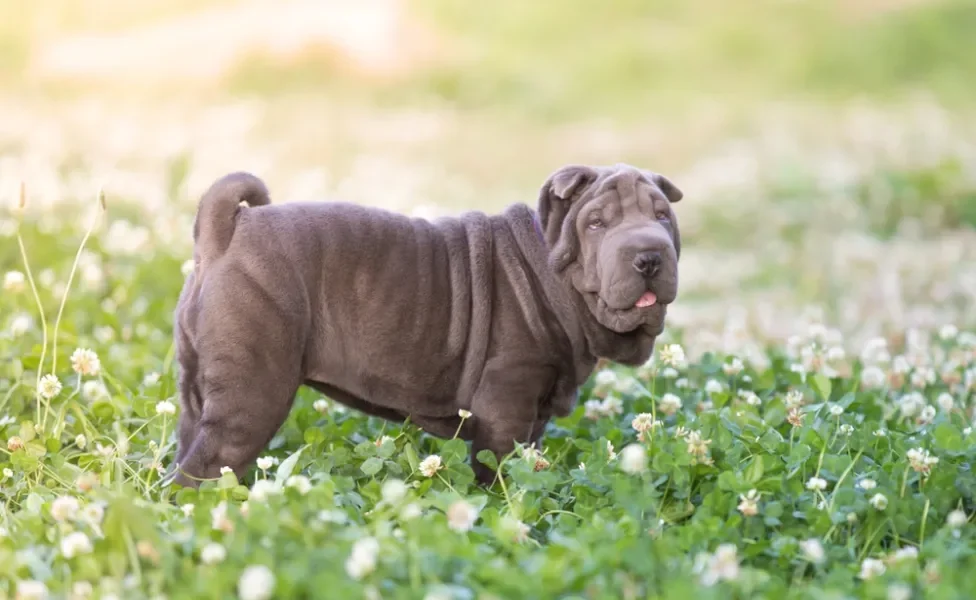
x=595 y=224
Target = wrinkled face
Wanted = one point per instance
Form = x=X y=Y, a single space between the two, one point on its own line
x=613 y=232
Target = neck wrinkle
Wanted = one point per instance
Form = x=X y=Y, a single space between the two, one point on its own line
x=527 y=232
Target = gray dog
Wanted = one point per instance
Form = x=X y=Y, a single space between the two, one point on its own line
x=504 y=316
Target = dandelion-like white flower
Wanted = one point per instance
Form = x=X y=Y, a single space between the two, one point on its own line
x=50 y=386
x=265 y=462
x=945 y=402
x=956 y=519
x=633 y=459
x=430 y=465
x=867 y=484
x=393 y=491
x=870 y=568
x=813 y=550
x=605 y=378
x=927 y=415
x=817 y=484
x=362 y=559
x=794 y=399
x=257 y=582
x=749 y=503
x=911 y=404
x=879 y=501
x=612 y=406
x=461 y=516
x=64 y=508
x=836 y=410
x=165 y=407
x=669 y=404
x=213 y=553
x=672 y=355
x=84 y=361
x=75 y=544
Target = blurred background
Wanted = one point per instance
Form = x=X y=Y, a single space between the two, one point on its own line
x=825 y=147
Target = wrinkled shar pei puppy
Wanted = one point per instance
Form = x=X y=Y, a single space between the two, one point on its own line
x=401 y=318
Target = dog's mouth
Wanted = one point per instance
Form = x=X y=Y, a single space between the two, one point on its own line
x=648 y=298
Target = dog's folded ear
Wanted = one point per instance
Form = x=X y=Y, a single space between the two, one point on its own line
x=555 y=198
x=670 y=190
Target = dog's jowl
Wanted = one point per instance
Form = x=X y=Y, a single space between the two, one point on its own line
x=502 y=315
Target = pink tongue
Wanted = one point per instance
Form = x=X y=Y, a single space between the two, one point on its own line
x=648 y=299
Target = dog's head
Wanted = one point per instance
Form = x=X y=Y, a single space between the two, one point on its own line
x=612 y=233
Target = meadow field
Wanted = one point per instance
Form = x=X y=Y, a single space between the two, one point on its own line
x=804 y=429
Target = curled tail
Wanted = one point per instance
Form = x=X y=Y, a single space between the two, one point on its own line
x=218 y=210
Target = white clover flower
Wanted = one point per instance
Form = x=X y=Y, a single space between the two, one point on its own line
x=713 y=387
x=875 y=351
x=14 y=281
x=817 y=484
x=733 y=368
x=899 y=591
x=749 y=503
x=847 y=429
x=927 y=415
x=410 y=512
x=957 y=519
x=906 y=553
x=672 y=355
x=669 y=373
x=682 y=384
x=299 y=483
x=65 y=508
x=151 y=379
x=362 y=559
x=945 y=401
x=835 y=354
x=93 y=514
x=265 y=462
x=226 y=470
x=870 y=568
x=187 y=509
x=643 y=422
x=93 y=390
x=813 y=550
x=920 y=460
x=612 y=405
x=7 y=473
x=879 y=501
x=320 y=406
x=257 y=582
x=31 y=590
x=461 y=516
x=165 y=407
x=81 y=590
x=611 y=453
x=81 y=441
x=948 y=332
x=794 y=398
x=605 y=378
x=872 y=378
x=464 y=414
x=836 y=410
x=50 y=386
x=393 y=491
x=592 y=409
x=911 y=404
x=213 y=553
x=84 y=361
x=431 y=465
x=723 y=565
x=219 y=519
x=633 y=459
x=880 y=433
x=75 y=544
x=262 y=489
x=669 y=404
x=867 y=484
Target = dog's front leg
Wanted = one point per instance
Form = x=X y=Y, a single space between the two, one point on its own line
x=505 y=410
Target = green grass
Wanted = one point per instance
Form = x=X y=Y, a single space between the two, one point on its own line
x=650 y=522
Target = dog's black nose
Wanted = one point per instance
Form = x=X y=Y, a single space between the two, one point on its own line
x=648 y=263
